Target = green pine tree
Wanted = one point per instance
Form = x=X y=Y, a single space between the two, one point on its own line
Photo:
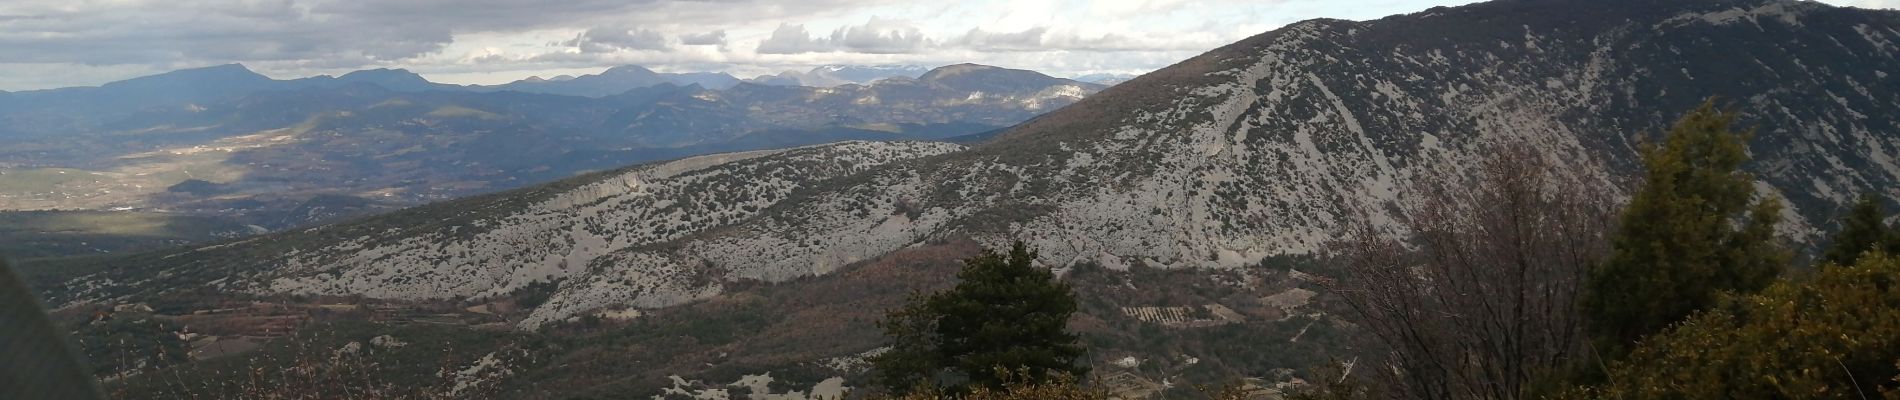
x=1861 y=231
x=911 y=363
x=1006 y=321
x=1687 y=235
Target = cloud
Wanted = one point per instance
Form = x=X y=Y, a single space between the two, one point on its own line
x=1136 y=7
x=792 y=39
x=714 y=38
x=1116 y=42
x=608 y=40
x=877 y=36
x=1874 y=4
x=174 y=33
x=881 y=36
x=136 y=33
x=1047 y=39
x=51 y=43
x=1026 y=40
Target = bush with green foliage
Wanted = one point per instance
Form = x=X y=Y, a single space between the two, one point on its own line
x=1835 y=337
x=535 y=293
x=1004 y=314
x=1862 y=231
x=1689 y=234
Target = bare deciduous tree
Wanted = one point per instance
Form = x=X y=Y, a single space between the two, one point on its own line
x=1479 y=298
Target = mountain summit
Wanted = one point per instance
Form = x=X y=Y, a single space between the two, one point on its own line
x=400 y=80
x=989 y=79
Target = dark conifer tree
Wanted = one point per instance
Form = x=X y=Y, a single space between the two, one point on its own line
x=1006 y=321
x=1690 y=233
x=1862 y=230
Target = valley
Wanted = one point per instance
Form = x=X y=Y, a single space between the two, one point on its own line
x=296 y=153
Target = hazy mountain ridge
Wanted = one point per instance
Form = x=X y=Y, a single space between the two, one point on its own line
x=839 y=75
x=614 y=81
x=272 y=149
x=1110 y=79
x=66 y=110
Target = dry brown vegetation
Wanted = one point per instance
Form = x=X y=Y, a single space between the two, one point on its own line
x=1479 y=301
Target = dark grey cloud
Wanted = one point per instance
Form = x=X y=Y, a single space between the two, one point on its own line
x=104 y=40
x=608 y=40
x=210 y=31
x=491 y=59
x=714 y=38
x=878 y=36
x=206 y=30
x=567 y=59
x=337 y=33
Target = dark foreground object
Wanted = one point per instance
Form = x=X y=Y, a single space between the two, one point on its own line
x=35 y=360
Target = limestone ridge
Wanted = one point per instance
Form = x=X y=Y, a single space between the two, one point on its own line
x=1259 y=148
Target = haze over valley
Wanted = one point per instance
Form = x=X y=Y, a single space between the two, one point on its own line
x=271 y=154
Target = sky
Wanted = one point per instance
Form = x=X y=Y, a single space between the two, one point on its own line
x=60 y=43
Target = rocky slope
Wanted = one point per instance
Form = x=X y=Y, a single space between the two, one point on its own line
x=1258 y=149
x=1264 y=147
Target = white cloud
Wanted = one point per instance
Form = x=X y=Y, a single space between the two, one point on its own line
x=877 y=36
x=1026 y=40
x=1044 y=39
x=1887 y=4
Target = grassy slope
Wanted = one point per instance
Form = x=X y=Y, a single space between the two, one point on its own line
x=41 y=234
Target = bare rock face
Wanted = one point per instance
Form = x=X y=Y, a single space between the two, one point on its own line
x=1260 y=148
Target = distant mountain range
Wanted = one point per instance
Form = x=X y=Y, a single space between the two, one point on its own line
x=226 y=81
x=837 y=75
x=1105 y=78
x=394 y=138
x=614 y=81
